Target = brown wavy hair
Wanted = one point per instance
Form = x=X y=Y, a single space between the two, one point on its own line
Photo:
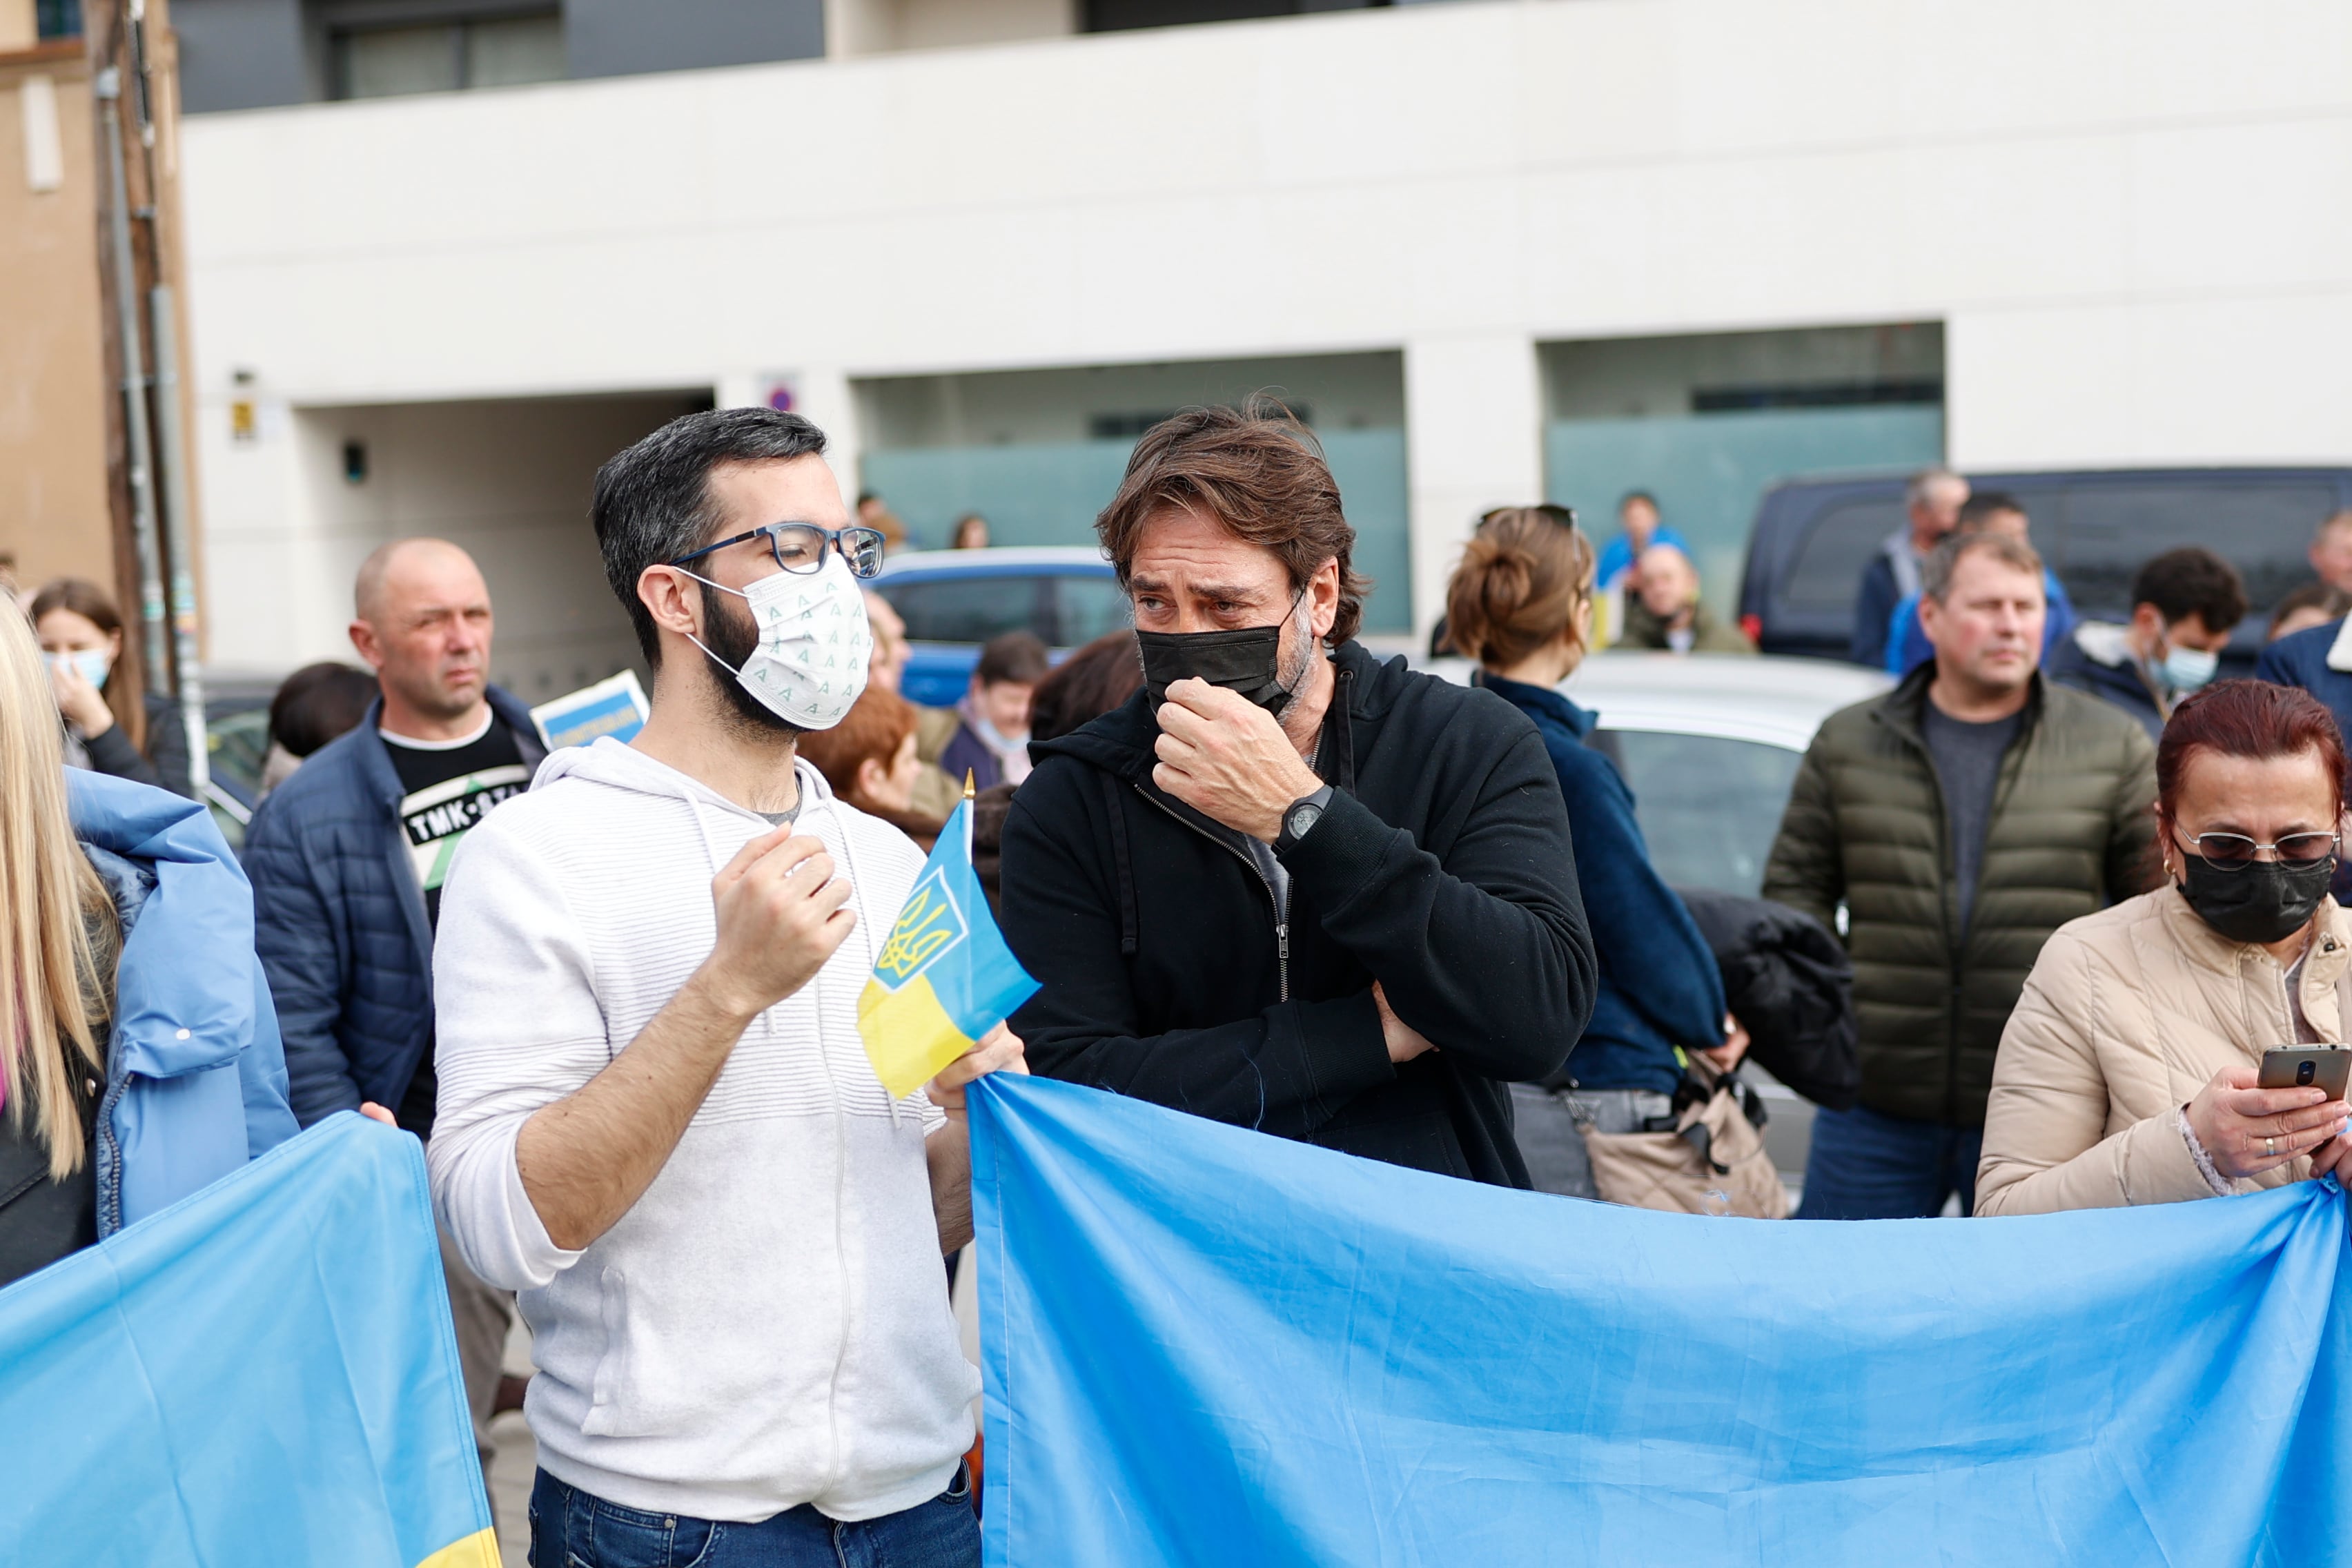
x=1257 y=470
x=873 y=730
x=1523 y=577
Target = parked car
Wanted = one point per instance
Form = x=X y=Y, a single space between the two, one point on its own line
x=1814 y=536
x=1709 y=745
x=954 y=600
x=237 y=743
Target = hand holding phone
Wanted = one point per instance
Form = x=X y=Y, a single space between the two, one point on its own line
x=2250 y=1121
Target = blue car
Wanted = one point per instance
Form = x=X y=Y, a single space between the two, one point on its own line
x=954 y=600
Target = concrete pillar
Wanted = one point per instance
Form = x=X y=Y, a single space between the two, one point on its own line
x=822 y=395
x=1474 y=439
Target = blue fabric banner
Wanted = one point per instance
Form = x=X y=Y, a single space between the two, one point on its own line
x=1206 y=1345
x=264 y=1373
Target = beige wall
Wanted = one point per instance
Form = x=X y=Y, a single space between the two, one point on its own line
x=53 y=391
x=506 y=478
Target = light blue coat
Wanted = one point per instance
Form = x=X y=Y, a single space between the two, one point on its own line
x=195 y=1079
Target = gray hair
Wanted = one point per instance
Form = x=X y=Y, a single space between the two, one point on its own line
x=1936 y=574
x=1915 y=494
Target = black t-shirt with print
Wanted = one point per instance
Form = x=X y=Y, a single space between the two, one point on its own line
x=445 y=790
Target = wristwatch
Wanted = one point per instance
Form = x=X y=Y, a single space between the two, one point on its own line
x=1299 y=816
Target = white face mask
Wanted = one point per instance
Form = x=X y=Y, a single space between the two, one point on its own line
x=809 y=666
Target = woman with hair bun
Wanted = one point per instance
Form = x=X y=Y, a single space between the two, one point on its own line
x=2128 y=1073
x=1521 y=602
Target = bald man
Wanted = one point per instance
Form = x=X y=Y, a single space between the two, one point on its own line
x=1664 y=610
x=347 y=858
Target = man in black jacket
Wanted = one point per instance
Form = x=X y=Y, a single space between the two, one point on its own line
x=1292 y=890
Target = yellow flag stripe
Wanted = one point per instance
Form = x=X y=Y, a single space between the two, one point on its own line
x=907 y=1034
x=476 y=1551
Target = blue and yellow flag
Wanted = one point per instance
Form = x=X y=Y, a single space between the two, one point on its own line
x=1203 y=1344
x=945 y=977
x=261 y=1372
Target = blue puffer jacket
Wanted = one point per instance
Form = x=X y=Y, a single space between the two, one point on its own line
x=196 y=1084
x=340 y=923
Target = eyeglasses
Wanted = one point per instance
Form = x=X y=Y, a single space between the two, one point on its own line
x=2235 y=851
x=799 y=547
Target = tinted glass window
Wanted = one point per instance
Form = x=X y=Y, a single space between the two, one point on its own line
x=1708 y=808
x=2261 y=529
x=969 y=609
x=1086 y=608
x=1838 y=545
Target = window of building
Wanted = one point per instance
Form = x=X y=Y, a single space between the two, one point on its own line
x=56 y=18
x=447 y=56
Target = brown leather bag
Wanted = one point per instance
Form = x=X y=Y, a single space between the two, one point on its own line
x=1713 y=1162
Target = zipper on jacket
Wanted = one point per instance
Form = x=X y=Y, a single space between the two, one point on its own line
x=1280 y=901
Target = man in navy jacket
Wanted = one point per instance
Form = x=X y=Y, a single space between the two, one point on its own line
x=2320 y=661
x=346 y=858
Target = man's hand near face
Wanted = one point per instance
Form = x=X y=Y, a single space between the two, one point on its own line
x=1228 y=759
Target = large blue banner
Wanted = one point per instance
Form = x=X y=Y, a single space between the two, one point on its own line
x=264 y=1373
x=1206 y=1345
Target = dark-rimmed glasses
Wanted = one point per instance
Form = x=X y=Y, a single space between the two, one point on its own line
x=799 y=547
x=2235 y=851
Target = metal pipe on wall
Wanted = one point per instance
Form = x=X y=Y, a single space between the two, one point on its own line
x=108 y=89
x=170 y=449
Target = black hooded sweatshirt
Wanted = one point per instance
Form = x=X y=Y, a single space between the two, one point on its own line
x=1442 y=868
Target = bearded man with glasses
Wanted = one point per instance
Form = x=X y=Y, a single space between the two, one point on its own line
x=2131 y=1069
x=657 y=1121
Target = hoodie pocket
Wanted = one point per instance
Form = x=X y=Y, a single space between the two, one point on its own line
x=608 y=1395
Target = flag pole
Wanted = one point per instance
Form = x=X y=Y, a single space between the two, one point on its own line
x=969 y=794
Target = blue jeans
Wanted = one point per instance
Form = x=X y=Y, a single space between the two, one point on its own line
x=1864 y=1165
x=573 y=1528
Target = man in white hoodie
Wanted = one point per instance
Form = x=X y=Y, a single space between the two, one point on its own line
x=656 y=1120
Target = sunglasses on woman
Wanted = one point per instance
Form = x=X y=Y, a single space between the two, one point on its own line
x=2235 y=851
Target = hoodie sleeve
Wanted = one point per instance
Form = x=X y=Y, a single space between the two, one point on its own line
x=517 y=1027
x=1289 y=1068
x=1480 y=944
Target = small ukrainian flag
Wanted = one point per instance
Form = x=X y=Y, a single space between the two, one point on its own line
x=945 y=977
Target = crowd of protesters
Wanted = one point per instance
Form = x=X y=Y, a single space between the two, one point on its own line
x=2047 y=900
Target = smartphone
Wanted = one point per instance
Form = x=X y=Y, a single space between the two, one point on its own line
x=2307 y=1067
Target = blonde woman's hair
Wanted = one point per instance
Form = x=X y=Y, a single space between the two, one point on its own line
x=52 y=1001
x=1524 y=577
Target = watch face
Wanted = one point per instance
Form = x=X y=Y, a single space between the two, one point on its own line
x=1302 y=819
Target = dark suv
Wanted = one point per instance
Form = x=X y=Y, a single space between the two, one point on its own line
x=1813 y=537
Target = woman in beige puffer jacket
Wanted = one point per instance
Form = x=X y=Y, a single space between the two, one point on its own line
x=2143 y=1025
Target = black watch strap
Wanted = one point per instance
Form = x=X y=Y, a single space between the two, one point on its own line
x=1299 y=817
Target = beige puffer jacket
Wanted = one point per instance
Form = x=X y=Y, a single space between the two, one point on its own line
x=2128 y=1014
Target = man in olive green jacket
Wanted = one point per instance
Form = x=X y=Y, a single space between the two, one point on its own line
x=1960 y=819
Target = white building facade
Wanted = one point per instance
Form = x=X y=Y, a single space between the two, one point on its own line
x=1494 y=249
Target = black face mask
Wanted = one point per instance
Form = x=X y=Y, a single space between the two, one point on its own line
x=1248 y=661
x=2267 y=902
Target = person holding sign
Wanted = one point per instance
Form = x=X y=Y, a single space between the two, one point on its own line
x=658 y=1119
